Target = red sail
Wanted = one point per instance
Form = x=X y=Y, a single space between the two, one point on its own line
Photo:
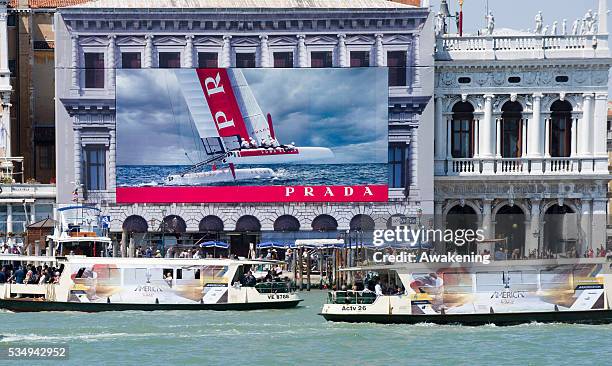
x=222 y=103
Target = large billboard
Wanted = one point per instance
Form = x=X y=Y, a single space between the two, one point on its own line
x=252 y=135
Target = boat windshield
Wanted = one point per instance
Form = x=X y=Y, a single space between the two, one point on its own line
x=351 y=297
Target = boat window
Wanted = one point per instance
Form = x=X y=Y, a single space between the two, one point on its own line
x=197 y=274
x=457 y=282
x=179 y=274
x=166 y=272
x=489 y=281
x=556 y=279
x=522 y=280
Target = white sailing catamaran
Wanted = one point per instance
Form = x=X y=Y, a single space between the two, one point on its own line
x=239 y=132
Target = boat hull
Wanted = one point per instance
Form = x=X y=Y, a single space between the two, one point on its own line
x=218 y=176
x=37 y=306
x=301 y=155
x=581 y=317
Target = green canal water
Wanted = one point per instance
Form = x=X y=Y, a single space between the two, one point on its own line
x=296 y=336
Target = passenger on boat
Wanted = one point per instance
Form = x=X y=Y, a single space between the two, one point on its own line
x=378 y=288
x=3 y=275
x=269 y=277
x=19 y=275
x=250 y=280
x=168 y=278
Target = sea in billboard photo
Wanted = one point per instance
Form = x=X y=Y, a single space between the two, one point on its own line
x=201 y=128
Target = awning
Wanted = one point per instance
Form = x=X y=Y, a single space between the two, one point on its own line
x=320 y=243
x=214 y=244
x=276 y=245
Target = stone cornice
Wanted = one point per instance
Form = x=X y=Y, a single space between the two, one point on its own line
x=295 y=21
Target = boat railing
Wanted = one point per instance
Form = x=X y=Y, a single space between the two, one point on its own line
x=351 y=297
x=273 y=287
x=17 y=289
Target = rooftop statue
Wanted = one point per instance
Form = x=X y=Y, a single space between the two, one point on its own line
x=553 y=31
x=440 y=24
x=490 y=23
x=575 y=27
x=588 y=22
x=564 y=27
x=539 y=23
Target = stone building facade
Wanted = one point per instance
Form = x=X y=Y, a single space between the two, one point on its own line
x=30 y=31
x=521 y=136
x=240 y=34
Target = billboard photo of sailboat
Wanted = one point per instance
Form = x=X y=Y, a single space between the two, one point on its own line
x=251 y=127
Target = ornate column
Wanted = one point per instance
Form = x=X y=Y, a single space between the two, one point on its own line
x=264 y=51
x=547 y=137
x=532 y=228
x=440 y=144
x=523 y=137
x=74 y=63
x=148 y=56
x=487 y=221
x=380 y=56
x=599 y=223
x=498 y=138
x=535 y=128
x=342 y=50
x=123 y=245
x=226 y=52
x=585 y=227
x=574 y=138
x=188 y=51
x=585 y=131
x=584 y=126
x=111 y=63
x=301 y=50
x=599 y=130
x=487 y=135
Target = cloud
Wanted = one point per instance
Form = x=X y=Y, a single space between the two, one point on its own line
x=343 y=109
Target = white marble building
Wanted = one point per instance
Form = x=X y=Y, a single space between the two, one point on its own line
x=520 y=134
x=94 y=39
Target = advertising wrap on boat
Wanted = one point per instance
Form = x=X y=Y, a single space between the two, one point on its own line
x=562 y=288
x=106 y=283
x=252 y=135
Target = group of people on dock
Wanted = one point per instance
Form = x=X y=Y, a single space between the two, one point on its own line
x=30 y=274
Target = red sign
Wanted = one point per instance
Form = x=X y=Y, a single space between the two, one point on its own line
x=237 y=194
x=222 y=102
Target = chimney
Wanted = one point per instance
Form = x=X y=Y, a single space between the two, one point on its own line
x=408 y=2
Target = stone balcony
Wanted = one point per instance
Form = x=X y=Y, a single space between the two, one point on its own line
x=521 y=45
x=521 y=166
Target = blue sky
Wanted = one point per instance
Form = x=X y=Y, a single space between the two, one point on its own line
x=520 y=14
x=343 y=109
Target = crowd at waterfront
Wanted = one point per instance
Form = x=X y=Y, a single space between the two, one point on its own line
x=30 y=274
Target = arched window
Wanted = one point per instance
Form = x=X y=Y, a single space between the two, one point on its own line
x=561 y=129
x=462 y=140
x=324 y=223
x=512 y=129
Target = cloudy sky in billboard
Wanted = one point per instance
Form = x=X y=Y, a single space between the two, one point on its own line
x=342 y=109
